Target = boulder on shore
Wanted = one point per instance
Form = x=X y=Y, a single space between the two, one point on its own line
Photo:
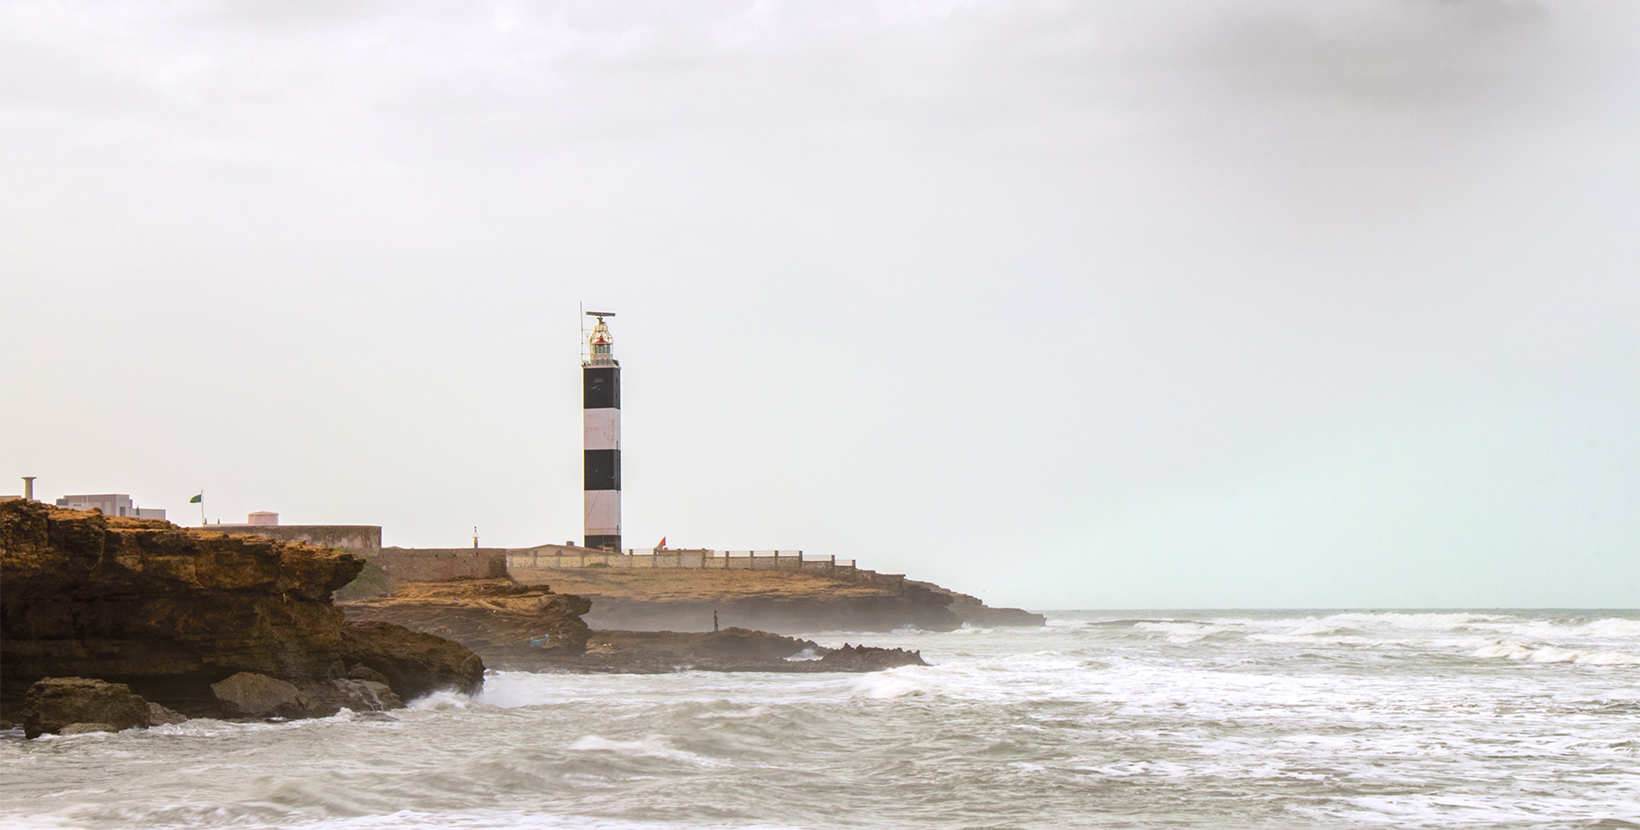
x=321 y=700
x=54 y=703
x=250 y=695
x=85 y=728
x=162 y=716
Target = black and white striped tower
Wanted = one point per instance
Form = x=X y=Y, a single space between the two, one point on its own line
x=601 y=404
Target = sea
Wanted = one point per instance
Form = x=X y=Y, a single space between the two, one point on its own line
x=1154 y=719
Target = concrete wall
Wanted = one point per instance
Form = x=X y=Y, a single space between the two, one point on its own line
x=438 y=564
x=360 y=538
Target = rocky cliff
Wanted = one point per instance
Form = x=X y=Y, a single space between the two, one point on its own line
x=783 y=601
x=976 y=614
x=170 y=611
x=488 y=616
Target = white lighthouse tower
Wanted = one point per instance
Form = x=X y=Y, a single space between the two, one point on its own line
x=601 y=412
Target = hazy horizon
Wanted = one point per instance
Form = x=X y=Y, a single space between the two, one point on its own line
x=1167 y=305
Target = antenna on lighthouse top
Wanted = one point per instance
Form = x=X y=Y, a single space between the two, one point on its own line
x=600 y=314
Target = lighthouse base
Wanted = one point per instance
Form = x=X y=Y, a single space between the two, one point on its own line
x=604 y=542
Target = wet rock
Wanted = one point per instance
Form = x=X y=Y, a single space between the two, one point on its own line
x=250 y=695
x=414 y=664
x=160 y=716
x=730 y=650
x=489 y=616
x=362 y=672
x=83 y=728
x=56 y=702
x=868 y=658
x=321 y=700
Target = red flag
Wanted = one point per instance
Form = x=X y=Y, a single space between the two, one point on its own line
x=662 y=545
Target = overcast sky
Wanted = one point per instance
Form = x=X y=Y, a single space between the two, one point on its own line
x=1070 y=305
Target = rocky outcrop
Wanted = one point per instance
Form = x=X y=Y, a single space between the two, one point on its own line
x=414 y=664
x=519 y=627
x=729 y=650
x=974 y=613
x=248 y=695
x=910 y=608
x=324 y=699
x=787 y=602
x=169 y=611
x=653 y=652
x=55 y=703
x=869 y=658
x=489 y=616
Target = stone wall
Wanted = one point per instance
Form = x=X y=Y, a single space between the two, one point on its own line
x=348 y=537
x=438 y=564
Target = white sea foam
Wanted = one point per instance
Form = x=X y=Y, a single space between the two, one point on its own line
x=901 y=682
x=1185 y=632
x=1449 y=721
x=652 y=746
x=442 y=700
x=1551 y=654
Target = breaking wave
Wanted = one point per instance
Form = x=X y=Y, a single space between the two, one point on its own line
x=1278 y=720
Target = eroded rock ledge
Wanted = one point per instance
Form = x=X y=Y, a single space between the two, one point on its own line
x=169 y=611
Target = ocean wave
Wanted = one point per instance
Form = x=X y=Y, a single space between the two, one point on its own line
x=1552 y=654
x=440 y=701
x=1612 y=627
x=1187 y=632
x=1432 y=622
x=187 y=816
x=1336 y=639
x=1374 y=727
x=653 y=746
x=905 y=681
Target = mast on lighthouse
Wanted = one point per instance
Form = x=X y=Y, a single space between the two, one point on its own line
x=601 y=412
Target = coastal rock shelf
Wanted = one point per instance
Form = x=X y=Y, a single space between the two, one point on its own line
x=782 y=601
x=518 y=627
x=169 y=612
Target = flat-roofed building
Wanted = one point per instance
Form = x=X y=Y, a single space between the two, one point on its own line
x=111 y=504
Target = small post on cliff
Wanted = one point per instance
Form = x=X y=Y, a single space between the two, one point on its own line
x=28 y=488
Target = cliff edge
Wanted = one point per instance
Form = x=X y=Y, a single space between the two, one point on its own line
x=787 y=602
x=170 y=611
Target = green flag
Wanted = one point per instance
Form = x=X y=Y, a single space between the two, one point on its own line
x=199 y=499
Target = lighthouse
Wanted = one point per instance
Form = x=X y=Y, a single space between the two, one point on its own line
x=601 y=411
